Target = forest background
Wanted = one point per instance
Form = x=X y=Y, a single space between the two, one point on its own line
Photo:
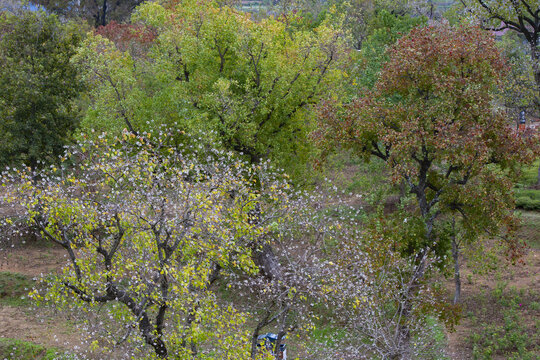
x=182 y=177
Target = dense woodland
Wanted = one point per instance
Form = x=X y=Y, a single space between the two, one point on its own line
x=209 y=172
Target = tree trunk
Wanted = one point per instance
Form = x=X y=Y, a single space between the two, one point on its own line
x=103 y=20
x=282 y=332
x=457 y=277
x=268 y=263
x=255 y=335
x=404 y=333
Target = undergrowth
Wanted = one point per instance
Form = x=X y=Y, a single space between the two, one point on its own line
x=14 y=349
x=526 y=194
x=14 y=288
x=506 y=324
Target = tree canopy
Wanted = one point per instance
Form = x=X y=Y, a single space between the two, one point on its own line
x=96 y=13
x=215 y=70
x=520 y=16
x=430 y=118
x=148 y=229
x=38 y=84
x=178 y=211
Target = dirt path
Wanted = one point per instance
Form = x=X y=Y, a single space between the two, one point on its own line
x=30 y=326
x=37 y=325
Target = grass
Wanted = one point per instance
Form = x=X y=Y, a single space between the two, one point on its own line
x=529 y=175
x=14 y=349
x=14 y=288
x=437 y=338
x=530 y=228
x=504 y=325
x=351 y=174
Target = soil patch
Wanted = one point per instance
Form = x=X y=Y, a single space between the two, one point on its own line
x=33 y=260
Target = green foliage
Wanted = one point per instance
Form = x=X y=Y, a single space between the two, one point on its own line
x=437 y=338
x=248 y=86
x=14 y=349
x=507 y=331
x=387 y=28
x=530 y=223
x=529 y=174
x=94 y=12
x=519 y=88
x=14 y=289
x=513 y=13
x=147 y=229
x=351 y=174
x=37 y=86
x=527 y=196
x=521 y=17
x=437 y=135
x=356 y=14
x=528 y=199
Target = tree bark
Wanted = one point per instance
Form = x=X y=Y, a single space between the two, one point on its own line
x=404 y=332
x=457 y=277
x=282 y=332
x=255 y=336
x=145 y=327
x=268 y=263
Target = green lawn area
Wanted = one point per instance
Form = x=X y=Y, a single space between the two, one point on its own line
x=14 y=349
x=14 y=289
x=530 y=228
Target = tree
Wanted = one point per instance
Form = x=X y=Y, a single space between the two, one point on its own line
x=244 y=84
x=519 y=90
x=10 y=5
x=387 y=28
x=371 y=311
x=430 y=118
x=38 y=84
x=97 y=13
x=520 y=16
x=148 y=229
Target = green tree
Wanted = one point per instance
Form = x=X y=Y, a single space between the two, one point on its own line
x=519 y=89
x=520 y=16
x=247 y=85
x=147 y=230
x=386 y=28
x=96 y=13
x=38 y=84
x=430 y=118
x=10 y=5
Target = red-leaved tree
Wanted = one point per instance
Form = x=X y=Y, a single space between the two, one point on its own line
x=432 y=119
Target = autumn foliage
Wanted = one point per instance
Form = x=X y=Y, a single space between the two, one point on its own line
x=128 y=36
x=432 y=119
x=189 y=218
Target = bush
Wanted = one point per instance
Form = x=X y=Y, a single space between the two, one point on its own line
x=527 y=203
x=529 y=174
